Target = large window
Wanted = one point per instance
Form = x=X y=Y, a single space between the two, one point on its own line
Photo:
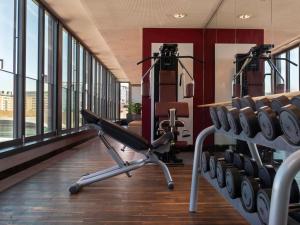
x=294 y=70
x=74 y=84
x=49 y=79
x=65 y=86
x=7 y=68
x=32 y=60
x=124 y=99
x=81 y=79
x=289 y=79
x=43 y=88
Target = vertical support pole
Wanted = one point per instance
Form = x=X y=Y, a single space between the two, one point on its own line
x=196 y=164
x=255 y=154
x=281 y=189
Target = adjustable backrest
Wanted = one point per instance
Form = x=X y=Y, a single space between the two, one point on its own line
x=117 y=132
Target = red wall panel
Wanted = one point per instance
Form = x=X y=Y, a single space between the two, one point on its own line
x=204 y=41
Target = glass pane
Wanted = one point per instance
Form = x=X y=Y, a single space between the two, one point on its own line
x=294 y=70
x=7 y=34
x=30 y=107
x=124 y=99
x=6 y=106
x=48 y=73
x=268 y=79
x=64 y=108
x=81 y=69
x=74 y=82
x=65 y=60
x=32 y=31
x=48 y=104
x=281 y=80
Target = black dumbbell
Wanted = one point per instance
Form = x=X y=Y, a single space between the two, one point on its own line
x=234 y=175
x=249 y=118
x=214 y=117
x=222 y=165
x=263 y=201
x=289 y=119
x=268 y=118
x=213 y=160
x=205 y=159
x=251 y=184
x=246 y=104
x=229 y=119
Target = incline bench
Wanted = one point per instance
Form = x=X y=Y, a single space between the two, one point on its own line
x=129 y=139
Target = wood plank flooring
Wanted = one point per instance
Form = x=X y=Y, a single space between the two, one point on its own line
x=43 y=198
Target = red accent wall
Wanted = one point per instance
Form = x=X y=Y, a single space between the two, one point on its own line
x=204 y=41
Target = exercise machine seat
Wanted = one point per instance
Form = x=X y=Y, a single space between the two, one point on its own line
x=117 y=132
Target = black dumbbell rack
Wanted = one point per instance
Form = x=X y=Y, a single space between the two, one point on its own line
x=282 y=182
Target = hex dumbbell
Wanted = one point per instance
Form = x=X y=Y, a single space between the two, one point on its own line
x=249 y=118
x=263 y=201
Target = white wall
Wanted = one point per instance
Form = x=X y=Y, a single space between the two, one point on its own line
x=183 y=49
x=224 y=70
x=136 y=95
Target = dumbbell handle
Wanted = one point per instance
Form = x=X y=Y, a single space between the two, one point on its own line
x=228 y=103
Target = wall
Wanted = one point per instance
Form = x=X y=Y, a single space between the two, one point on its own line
x=204 y=48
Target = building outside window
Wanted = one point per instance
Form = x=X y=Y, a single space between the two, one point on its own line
x=7 y=68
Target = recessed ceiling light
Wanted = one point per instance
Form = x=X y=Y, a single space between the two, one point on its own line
x=244 y=16
x=179 y=15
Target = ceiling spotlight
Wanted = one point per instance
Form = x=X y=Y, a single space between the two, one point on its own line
x=179 y=15
x=244 y=16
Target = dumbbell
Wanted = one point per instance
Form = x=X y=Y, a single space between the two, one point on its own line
x=229 y=118
x=263 y=201
x=244 y=104
x=264 y=180
x=249 y=118
x=233 y=176
x=289 y=119
x=214 y=117
x=222 y=165
x=268 y=118
x=213 y=160
x=205 y=159
x=250 y=186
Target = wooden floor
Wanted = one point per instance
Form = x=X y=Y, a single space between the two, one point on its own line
x=43 y=198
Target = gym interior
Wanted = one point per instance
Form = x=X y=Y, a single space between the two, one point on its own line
x=149 y=112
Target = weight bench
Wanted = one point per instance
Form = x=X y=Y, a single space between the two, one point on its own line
x=129 y=139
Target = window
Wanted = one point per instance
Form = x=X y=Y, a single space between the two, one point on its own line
x=74 y=84
x=81 y=72
x=294 y=70
x=268 y=79
x=7 y=68
x=49 y=39
x=33 y=85
x=124 y=100
x=32 y=78
x=65 y=63
x=281 y=79
x=103 y=94
x=289 y=79
x=87 y=80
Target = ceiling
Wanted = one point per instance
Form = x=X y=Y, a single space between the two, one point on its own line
x=112 y=29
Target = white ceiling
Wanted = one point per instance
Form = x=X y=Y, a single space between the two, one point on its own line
x=112 y=29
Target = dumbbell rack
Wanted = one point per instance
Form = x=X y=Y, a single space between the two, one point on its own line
x=283 y=179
